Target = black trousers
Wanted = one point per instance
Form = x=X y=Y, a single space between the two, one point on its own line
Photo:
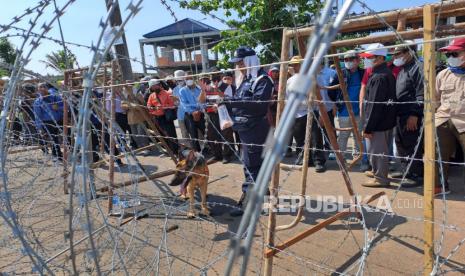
x=318 y=154
x=122 y=120
x=406 y=142
x=52 y=132
x=193 y=129
x=326 y=138
x=95 y=137
x=169 y=130
x=215 y=134
x=298 y=133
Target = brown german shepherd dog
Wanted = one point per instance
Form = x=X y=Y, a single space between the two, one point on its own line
x=192 y=173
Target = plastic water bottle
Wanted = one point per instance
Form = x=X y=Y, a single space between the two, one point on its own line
x=116 y=202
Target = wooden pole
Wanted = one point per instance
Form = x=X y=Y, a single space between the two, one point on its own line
x=430 y=166
x=370 y=22
x=345 y=95
x=269 y=253
x=111 y=169
x=270 y=234
x=306 y=150
x=102 y=113
x=121 y=50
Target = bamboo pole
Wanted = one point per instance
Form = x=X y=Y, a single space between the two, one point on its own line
x=102 y=113
x=333 y=141
x=111 y=169
x=146 y=178
x=370 y=22
x=430 y=167
x=355 y=130
x=270 y=234
x=455 y=29
x=306 y=155
x=269 y=253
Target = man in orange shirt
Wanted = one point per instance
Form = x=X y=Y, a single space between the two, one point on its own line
x=160 y=104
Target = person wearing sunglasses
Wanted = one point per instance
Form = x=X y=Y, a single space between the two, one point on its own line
x=410 y=93
x=450 y=111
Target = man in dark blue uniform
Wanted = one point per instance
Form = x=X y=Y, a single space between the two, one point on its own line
x=249 y=107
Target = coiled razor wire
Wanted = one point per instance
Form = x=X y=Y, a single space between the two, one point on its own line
x=27 y=203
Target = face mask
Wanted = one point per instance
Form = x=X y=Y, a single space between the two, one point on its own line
x=455 y=62
x=349 y=65
x=189 y=82
x=181 y=83
x=369 y=63
x=399 y=62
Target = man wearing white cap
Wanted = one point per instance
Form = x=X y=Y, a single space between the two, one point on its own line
x=380 y=115
x=179 y=76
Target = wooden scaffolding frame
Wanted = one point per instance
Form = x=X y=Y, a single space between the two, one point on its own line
x=414 y=18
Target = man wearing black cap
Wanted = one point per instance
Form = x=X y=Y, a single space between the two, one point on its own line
x=249 y=107
x=409 y=92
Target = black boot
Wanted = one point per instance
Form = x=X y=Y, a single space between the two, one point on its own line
x=239 y=210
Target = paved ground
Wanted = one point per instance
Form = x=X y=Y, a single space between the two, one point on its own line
x=168 y=243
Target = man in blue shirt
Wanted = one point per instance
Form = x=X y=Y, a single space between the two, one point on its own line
x=353 y=76
x=180 y=83
x=193 y=116
x=325 y=78
x=48 y=114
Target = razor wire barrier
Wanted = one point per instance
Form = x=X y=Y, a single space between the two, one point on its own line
x=159 y=240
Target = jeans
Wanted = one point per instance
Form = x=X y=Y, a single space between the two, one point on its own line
x=139 y=135
x=343 y=137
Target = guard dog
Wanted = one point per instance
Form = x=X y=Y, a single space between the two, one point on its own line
x=192 y=173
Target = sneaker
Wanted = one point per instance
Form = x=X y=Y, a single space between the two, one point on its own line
x=320 y=168
x=227 y=160
x=375 y=183
x=365 y=167
x=370 y=174
x=145 y=153
x=411 y=182
x=397 y=175
x=332 y=156
x=439 y=192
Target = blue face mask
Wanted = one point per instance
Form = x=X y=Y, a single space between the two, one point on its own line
x=457 y=70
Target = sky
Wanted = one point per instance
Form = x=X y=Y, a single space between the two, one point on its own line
x=81 y=20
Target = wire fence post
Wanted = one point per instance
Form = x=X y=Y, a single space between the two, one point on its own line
x=430 y=166
x=268 y=266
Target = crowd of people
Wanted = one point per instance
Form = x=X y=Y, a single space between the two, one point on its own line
x=386 y=92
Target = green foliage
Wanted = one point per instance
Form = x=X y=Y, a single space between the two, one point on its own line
x=245 y=16
x=7 y=55
x=57 y=60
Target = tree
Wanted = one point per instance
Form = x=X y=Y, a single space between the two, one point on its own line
x=57 y=60
x=7 y=55
x=253 y=17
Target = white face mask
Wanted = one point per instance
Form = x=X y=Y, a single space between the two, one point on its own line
x=399 y=62
x=181 y=83
x=349 y=65
x=455 y=62
x=369 y=63
x=189 y=82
